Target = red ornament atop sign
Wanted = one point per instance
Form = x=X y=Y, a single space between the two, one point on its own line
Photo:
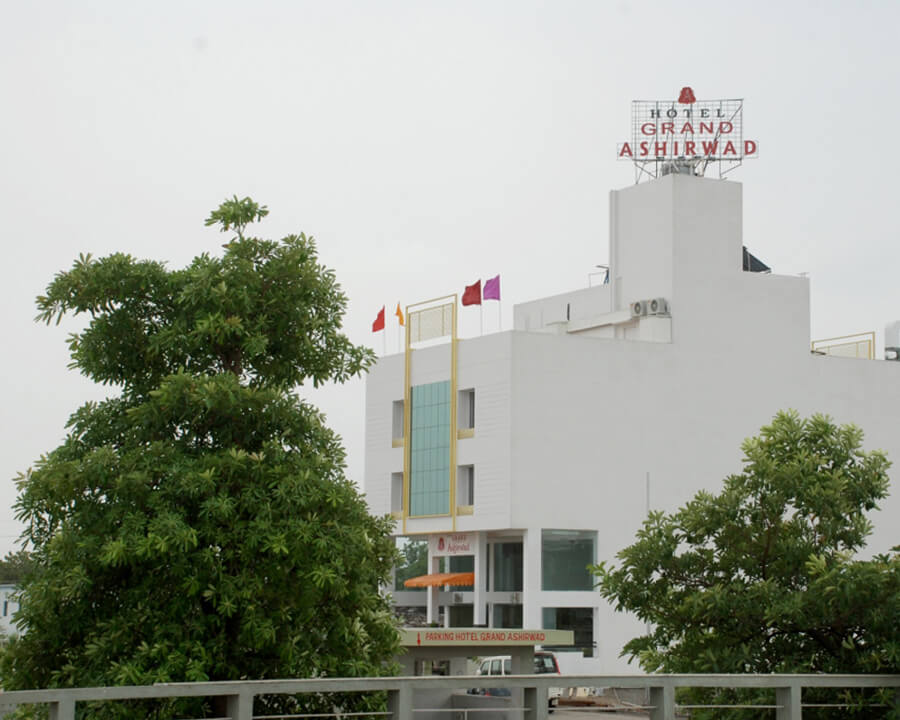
x=441 y=544
x=687 y=96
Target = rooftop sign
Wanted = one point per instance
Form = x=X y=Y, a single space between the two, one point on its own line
x=686 y=135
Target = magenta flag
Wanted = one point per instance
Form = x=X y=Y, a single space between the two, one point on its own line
x=492 y=289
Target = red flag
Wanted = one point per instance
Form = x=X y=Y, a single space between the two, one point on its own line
x=472 y=294
x=379 y=321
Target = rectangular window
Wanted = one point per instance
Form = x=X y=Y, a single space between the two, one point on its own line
x=507 y=616
x=465 y=485
x=461 y=563
x=413 y=562
x=397 y=419
x=397 y=492
x=462 y=615
x=429 y=450
x=579 y=620
x=565 y=557
x=466 y=409
x=507 y=566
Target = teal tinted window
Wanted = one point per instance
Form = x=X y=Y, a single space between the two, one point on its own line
x=565 y=557
x=429 y=483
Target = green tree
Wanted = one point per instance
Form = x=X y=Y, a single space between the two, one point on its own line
x=761 y=577
x=199 y=525
x=413 y=562
x=15 y=566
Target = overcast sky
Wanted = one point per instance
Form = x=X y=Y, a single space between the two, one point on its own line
x=425 y=145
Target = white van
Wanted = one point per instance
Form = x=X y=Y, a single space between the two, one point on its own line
x=544 y=662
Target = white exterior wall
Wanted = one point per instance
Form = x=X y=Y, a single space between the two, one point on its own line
x=571 y=422
x=8 y=606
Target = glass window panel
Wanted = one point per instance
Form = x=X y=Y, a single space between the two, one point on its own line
x=507 y=566
x=565 y=557
x=413 y=562
x=579 y=620
x=430 y=450
x=507 y=616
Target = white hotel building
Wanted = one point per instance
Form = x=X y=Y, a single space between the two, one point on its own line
x=542 y=448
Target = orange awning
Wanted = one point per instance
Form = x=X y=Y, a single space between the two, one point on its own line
x=457 y=578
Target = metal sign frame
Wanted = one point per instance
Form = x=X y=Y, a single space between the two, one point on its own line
x=686 y=136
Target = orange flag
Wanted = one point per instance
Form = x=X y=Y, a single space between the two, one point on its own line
x=399 y=314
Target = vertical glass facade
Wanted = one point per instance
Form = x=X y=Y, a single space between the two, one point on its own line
x=429 y=482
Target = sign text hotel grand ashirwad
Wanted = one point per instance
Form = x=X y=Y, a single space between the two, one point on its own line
x=687 y=128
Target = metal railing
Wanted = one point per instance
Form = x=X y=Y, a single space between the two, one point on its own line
x=239 y=695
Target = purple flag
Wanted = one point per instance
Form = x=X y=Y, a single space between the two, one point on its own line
x=492 y=289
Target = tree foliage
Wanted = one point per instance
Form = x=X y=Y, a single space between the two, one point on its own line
x=413 y=562
x=15 y=566
x=199 y=526
x=762 y=577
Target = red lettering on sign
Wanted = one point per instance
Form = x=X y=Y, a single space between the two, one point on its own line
x=648 y=128
x=706 y=127
x=687 y=128
x=724 y=125
x=689 y=148
x=645 y=149
x=749 y=147
x=626 y=150
x=729 y=149
x=667 y=128
x=709 y=148
x=660 y=149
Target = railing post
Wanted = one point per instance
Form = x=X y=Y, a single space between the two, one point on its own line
x=239 y=707
x=400 y=702
x=62 y=709
x=663 y=701
x=788 y=700
x=535 y=703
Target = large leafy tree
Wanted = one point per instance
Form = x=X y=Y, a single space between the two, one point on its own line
x=199 y=525
x=761 y=578
x=15 y=566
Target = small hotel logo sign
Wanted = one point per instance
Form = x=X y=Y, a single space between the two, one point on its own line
x=452 y=544
x=687 y=135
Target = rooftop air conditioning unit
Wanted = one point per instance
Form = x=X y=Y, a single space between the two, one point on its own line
x=638 y=308
x=657 y=306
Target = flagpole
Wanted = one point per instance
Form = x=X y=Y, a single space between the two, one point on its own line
x=499 y=317
x=384 y=342
x=481 y=318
